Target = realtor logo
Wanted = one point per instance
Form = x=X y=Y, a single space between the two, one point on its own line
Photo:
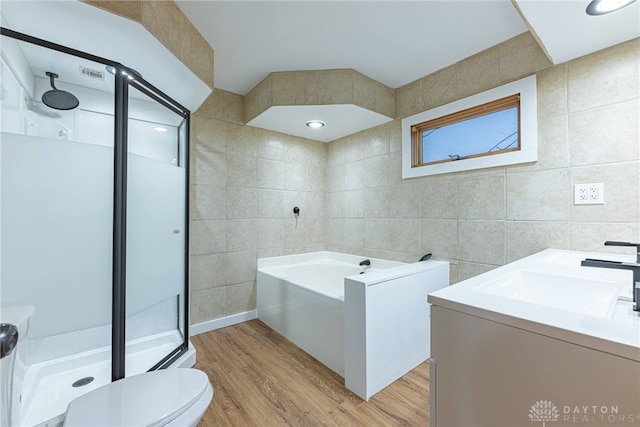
x=543 y=410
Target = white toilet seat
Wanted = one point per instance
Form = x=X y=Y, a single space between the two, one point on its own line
x=151 y=399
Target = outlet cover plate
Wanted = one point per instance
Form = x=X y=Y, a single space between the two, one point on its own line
x=589 y=194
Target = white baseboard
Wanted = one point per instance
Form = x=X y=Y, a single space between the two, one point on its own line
x=212 y=325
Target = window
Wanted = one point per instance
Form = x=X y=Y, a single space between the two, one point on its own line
x=493 y=128
x=487 y=129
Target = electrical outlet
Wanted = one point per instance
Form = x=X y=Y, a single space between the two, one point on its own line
x=589 y=194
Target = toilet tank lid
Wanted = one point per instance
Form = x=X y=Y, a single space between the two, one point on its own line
x=149 y=399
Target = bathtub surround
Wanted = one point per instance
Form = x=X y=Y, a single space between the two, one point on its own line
x=387 y=324
x=369 y=328
x=588 y=112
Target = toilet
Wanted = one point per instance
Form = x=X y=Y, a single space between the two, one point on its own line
x=168 y=397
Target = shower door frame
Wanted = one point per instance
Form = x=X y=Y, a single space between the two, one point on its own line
x=119 y=241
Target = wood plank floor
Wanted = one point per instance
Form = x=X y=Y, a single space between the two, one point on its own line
x=262 y=379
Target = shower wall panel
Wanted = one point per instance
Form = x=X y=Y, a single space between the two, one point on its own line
x=56 y=232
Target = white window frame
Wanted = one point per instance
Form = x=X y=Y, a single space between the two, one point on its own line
x=528 y=152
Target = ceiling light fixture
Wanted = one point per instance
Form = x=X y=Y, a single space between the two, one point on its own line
x=160 y=129
x=315 y=124
x=601 y=7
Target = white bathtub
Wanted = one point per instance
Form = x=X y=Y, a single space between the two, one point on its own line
x=303 y=298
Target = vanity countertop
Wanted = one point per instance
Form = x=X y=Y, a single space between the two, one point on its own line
x=551 y=294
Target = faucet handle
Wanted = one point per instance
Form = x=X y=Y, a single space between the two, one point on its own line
x=637 y=246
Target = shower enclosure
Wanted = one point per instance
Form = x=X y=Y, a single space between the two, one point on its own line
x=94 y=225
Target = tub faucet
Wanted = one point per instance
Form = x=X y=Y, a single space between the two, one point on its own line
x=366 y=264
x=617 y=265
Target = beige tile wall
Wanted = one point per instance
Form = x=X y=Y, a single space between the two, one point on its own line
x=588 y=112
x=353 y=198
x=245 y=183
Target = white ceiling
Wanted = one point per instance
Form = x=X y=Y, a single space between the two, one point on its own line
x=568 y=32
x=394 y=42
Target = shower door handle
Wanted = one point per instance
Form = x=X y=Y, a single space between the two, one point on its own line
x=8 y=339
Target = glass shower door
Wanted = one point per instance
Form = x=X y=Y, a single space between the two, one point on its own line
x=156 y=232
x=56 y=179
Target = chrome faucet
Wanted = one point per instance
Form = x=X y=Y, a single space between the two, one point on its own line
x=634 y=267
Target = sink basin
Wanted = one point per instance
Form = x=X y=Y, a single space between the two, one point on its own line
x=577 y=294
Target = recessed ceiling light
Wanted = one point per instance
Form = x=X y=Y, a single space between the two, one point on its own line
x=600 y=7
x=315 y=124
x=160 y=129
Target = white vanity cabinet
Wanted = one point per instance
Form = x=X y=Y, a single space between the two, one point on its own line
x=507 y=352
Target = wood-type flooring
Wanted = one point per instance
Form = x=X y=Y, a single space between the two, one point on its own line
x=262 y=379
